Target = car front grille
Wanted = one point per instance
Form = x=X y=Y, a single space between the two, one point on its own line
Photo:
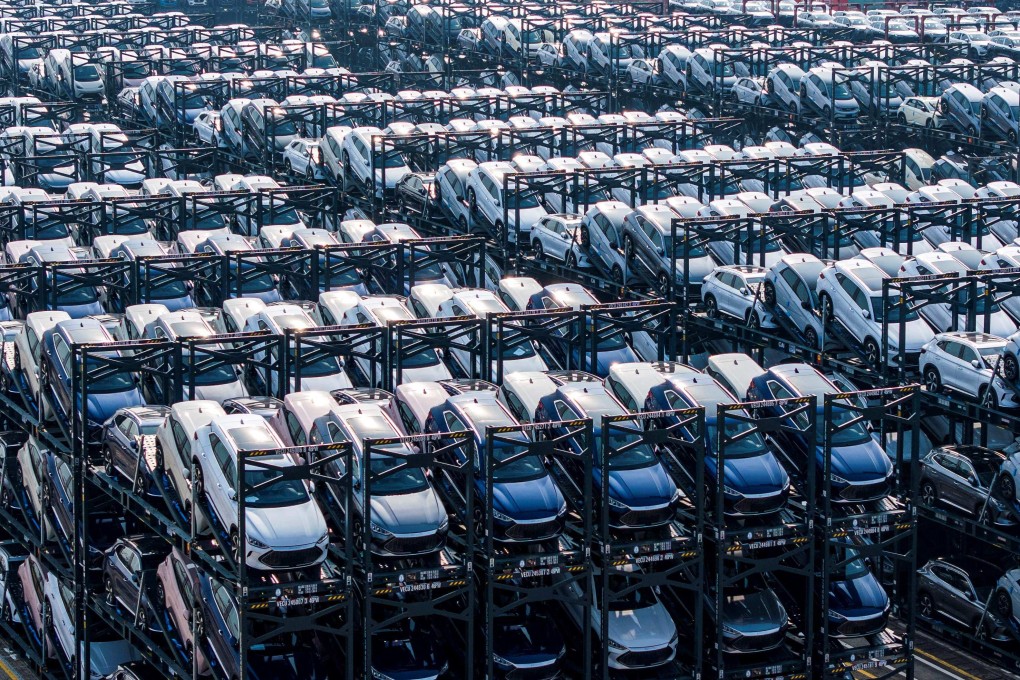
x=549 y=672
x=758 y=506
x=863 y=627
x=646 y=518
x=864 y=492
x=412 y=545
x=645 y=658
x=533 y=532
x=755 y=643
x=292 y=558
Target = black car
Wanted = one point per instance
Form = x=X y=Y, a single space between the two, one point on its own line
x=129 y=573
x=121 y=444
x=415 y=191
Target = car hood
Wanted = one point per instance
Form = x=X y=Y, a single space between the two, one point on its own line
x=865 y=462
x=218 y=393
x=126 y=175
x=535 y=499
x=528 y=217
x=697 y=268
x=606 y=359
x=641 y=487
x=860 y=596
x=325 y=382
x=286 y=526
x=104 y=405
x=648 y=627
x=756 y=474
x=917 y=333
x=81 y=311
x=393 y=175
x=409 y=513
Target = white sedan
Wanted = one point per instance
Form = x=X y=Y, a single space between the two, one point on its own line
x=642 y=72
x=559 y=237
x=749 y=91
x=303 y=158
x=920 y=111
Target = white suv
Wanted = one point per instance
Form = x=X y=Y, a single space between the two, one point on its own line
x=487 y=202
x=368 y=161
x=965 y=362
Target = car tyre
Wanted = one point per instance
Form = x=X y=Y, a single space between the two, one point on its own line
x=711 y=307
x=108 y=586
x=770 y=293
x=932 y=379
x=585 y=238
x=235 y=546
x=989 y=398
x=926 y=605
x=871 y=352
x=811 y=338
x=929 y=494
x=753 y=322
x=463 y=225
x=1003 y=604
x=571 y=260
x=472 y=202
x=1010 y=367
x=539 y=250
x=826 y=304
x=108 y=462
x=616 y=274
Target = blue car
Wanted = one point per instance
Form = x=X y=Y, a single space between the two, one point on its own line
x=113 y=390
x=754 y=481
x=860 y=469
x=611 y=349
x=641 y=492
x=526 y=503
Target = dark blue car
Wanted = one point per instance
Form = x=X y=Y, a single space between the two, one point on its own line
x=111 y=390
x=526 y=503
x=860 y=469
x=641 y=492
x=754 y=481
x=612 y=347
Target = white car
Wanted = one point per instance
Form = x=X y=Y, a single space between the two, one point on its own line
x=850 y=294
x=642 y=72
x=558 y=236
x=965 y=362
x=733 y=291
x=284 y=527
x=749 y=90
x=206 y=124
x=303 y=158
x=367 y=160
x=920 y=111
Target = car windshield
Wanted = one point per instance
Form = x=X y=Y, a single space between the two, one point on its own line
x=855 y=565
x=745 y=442
x=128 y=225
x=171 y=290
x=897 y=314
x=390 y=159
x=723 y=69
x=109 y=383
x=252 y=281
x=409 y=479
x=277 y=491
x=220 y=374
x=204 y=220
x=638 y=598
x=87 y=73
x=279 y=215
x=50 y=229
x=990 y=353
x=528 y=199
x=71 y=293
x=317 y=368
x=148 y=428
x=840 y=90
x=537 y=37
x=692 y=248
x=843 y=433
x=119 y=159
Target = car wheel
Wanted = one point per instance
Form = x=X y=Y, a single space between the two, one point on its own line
x=616 y=274
x=108 y=585
x=309 y=174
x=143 y=619
x=989 y=398
x=501 y=235
x=140 y=483
x=871 y=352
x=108 y=461
x=628 y=248
x=358 y=535
x=160 y=593
x=903 y=119
x=539 y=250
x=199 y=480
x=663 y=281
x=198 y=622
x=930 y=123
x=926 y=605
x=753 y=322
x=289 y=168
x=1012 y=136
x=929 y=494
x=982 y=629
x=235 y=546
x=711 y=307
x=826 y=112
x=1003 y=604
x=1010 y=367
x=472 y=202
x=1007 y=488
x=463 y=224
x=972 y=131
x=571 y=260
x=811 y=338
x=932 y=379
x=770 y=293
x=585 y=238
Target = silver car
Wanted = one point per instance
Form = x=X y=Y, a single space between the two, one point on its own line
x=964 y=477
x=959 y=589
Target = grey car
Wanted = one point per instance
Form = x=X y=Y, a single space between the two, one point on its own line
x=963 y=477
x=959 y=589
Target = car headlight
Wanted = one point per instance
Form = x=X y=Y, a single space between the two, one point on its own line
x=833 y=614
x=496 y=514
x=445 y=524
x=837 y=479
x=1000 y=383
x=563 y=510
x=996 y=503
x=730 y=491
x=257 y=543
x=501 y=662
x=323 y=538
x=676 y=495
x=378 y=529
x=729 y=630
x=613 y=644
x=613 y=503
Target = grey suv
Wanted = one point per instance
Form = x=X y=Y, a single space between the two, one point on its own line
x=959 y=589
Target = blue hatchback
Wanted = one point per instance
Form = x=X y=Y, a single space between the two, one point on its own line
x=641 y=492
x=754 y=481
x=860 y=470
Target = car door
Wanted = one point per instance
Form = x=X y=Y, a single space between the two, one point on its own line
x=220 y=478
x=559 y=238
x=954 y=602
x=728 y=285
x=951 y=369
x=952 y=480
x=967 y=378
x=120 y=446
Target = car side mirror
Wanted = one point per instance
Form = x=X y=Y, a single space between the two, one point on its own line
x=805 y=305
x=186 y=474
x=496 y=201
x=866 y=314
x=744 y=291
x=975 y=363
x=660 y=251
x=231 y=494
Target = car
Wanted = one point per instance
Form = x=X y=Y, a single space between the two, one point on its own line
x=789 y=292
x=920 y=111
x=303 y=158
x=33 y=460
x=753 y=480
x=205 y=125
x=415 y=193
x=850 y=295
x=860 y=471
x=267 y=407
x=964 y=477
x=285 y=528
x=960 y=589
x=602 y=237
x=527 y=504
x=558 y=236
x=129 y=572
x=122 y=451
x=734 y=291
x=641 y=492
x=33 y=576
x=648 y=236
x=367 y=161
x=967 y=362
x=179 y=582
x=749 y=90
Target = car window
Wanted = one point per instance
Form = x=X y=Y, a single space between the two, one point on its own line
x=183 y=584
x=968 y=353
x=453 y=423
x=223 y=458
x=297 y=434
x=622 y=394
x=63 y=351
x=564 y=411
